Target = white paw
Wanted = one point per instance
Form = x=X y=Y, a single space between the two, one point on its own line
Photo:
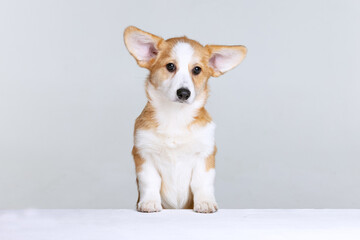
x=149 y=206
x=205 y=206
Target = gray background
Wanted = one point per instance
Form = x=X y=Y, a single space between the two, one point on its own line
x=287 y=118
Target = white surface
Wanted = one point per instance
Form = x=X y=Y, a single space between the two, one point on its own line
x=179 y=224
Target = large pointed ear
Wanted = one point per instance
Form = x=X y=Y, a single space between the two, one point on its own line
x=225 y=58
x=143 y=46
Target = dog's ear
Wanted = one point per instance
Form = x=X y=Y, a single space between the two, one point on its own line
x=143 y=46
x=225 y=58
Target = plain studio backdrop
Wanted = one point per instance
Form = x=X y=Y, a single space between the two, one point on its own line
x=287 y=118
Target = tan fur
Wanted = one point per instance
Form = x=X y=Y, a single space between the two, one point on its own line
x=158 y=57
x=146 y=119
x=137 y=185
x=190 y=202
x=158 y=70
x=202 y=118
x=210 y=160
x=137 y=159
x=158 y=73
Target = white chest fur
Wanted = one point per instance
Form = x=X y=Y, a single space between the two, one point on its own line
x=174 y=156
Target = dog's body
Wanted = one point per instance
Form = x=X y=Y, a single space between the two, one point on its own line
x=174 y=146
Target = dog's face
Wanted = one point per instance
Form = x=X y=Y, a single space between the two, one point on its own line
x=180 y=67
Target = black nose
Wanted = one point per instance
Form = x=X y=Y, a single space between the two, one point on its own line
x=183 y=93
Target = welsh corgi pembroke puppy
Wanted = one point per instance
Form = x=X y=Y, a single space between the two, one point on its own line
x=174 y=146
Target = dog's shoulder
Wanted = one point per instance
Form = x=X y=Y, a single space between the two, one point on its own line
x=202 y=118
x=146 y=119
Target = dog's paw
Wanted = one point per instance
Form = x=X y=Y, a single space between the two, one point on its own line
x=149 y=206
x=205 y=207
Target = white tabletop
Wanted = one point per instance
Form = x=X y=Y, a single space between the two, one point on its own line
x=104 y=224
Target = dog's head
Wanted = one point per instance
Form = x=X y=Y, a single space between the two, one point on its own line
x=180 y=67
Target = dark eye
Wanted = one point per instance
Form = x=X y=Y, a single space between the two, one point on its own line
x=196 y=70
x=170 y=67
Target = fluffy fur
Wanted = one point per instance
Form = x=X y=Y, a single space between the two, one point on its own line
x=174 y=146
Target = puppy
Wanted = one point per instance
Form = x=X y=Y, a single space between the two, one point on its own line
x=174 y=146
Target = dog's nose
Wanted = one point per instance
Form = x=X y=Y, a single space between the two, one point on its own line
x=183 y=93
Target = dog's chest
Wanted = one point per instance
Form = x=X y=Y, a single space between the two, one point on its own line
x=174 y=156
x=183 y=146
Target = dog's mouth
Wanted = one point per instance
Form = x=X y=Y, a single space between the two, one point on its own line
x=181 y=101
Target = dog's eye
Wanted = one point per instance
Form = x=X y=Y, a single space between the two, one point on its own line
x=196 y=70
x=170 y=67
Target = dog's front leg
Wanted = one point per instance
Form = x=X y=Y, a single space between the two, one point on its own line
x=149 y=183
x=202 y=187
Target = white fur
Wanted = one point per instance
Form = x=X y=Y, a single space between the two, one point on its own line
x=175 y=153
x=183 y=54
x=179 y=161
